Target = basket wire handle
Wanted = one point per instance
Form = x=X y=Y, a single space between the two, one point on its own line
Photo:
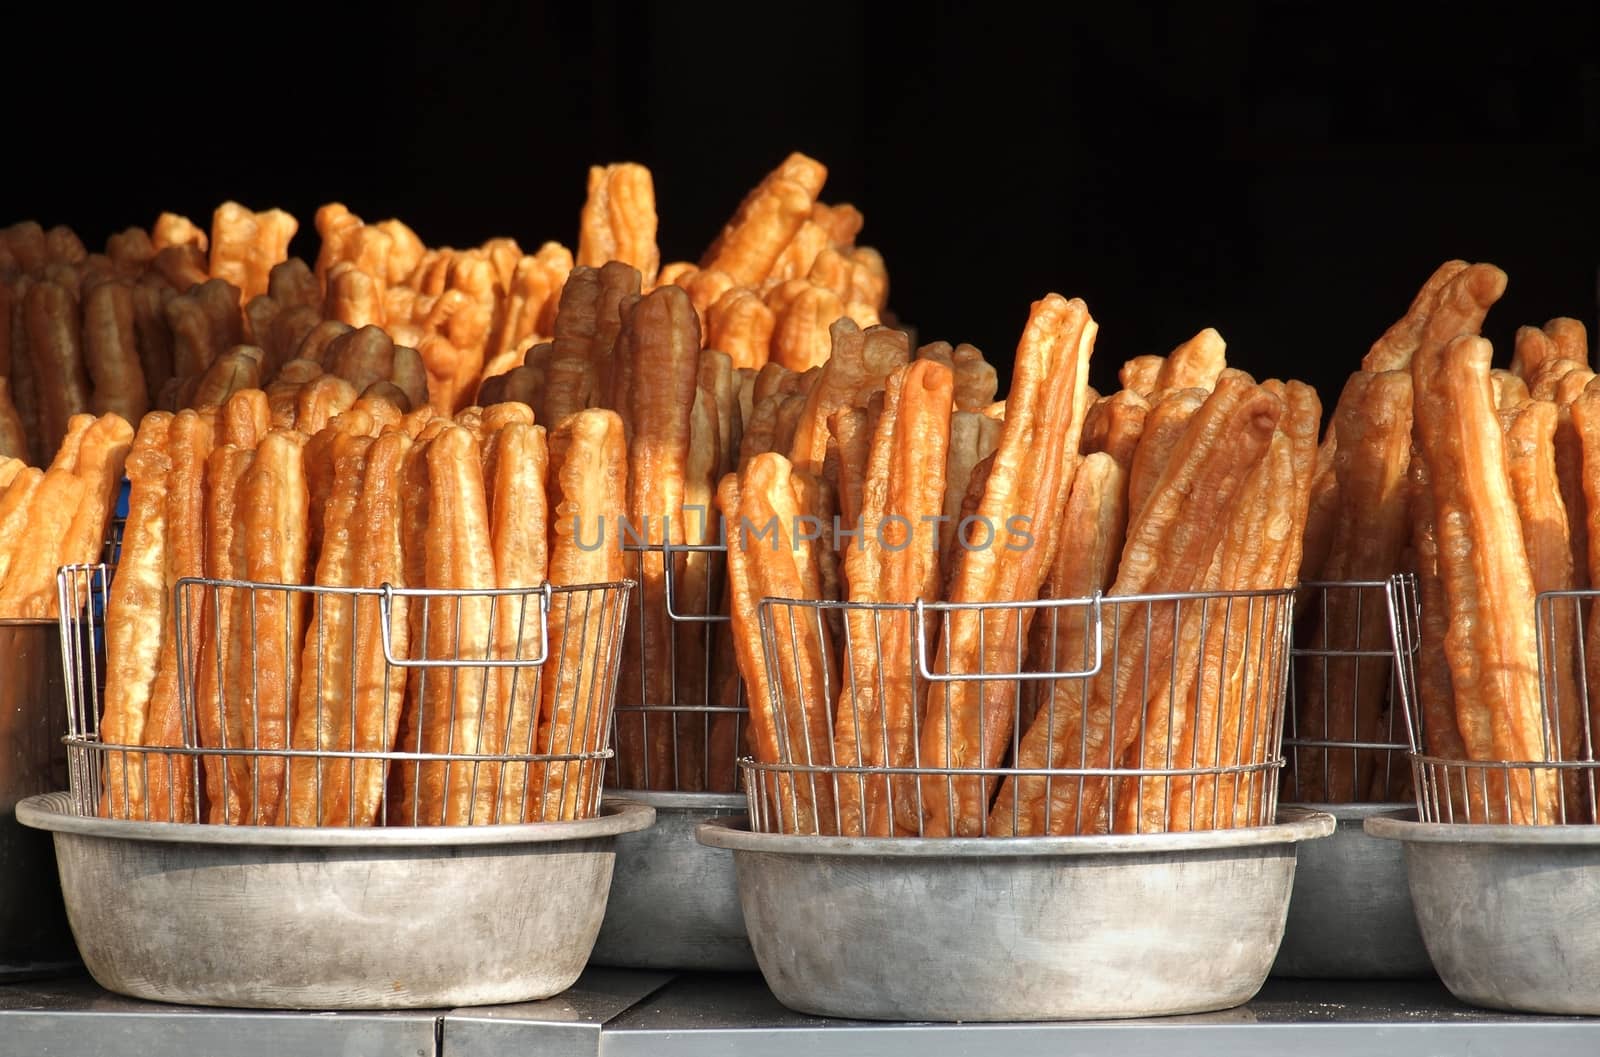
x=920 y=633
x=669 y=549
x=386 y=596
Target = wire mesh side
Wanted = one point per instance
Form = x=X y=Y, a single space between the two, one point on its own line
x=1345 y=739
x=681 y=712
x=1559 y=788
x=1134 y=714
x=81 y=592
x=311 y=706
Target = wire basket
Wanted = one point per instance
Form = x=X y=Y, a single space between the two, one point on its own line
x=1561 y=787
x=323 y=706
x=1134 y=714
x=680 y=715
x=1345 y=739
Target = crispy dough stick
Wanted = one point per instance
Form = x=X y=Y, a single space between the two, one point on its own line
x=618 y=221
x=1531 y=471
x=111 y=351
x=216 y=694
x=1140 y=374
x=967 y=725
x=136 y=616
x=28 y=590
x=13 y=432
x=1164 y=428
x=266 y=628
x=1584 y=421
x=1115 y=425
x=767 y=220
x=100 y=467
x=851 y=439
x=783 y=564
x=457 y=628
x=740 y=324
x=1169 y=548
x=1195 y=364
x=1086 y=559
x=14 y=506
x=51 y=318
x=973 y=438
x=1435 y=694
x=1533 y=349
x=319 y=788
x=518 y=523
x=1510 y=391
x=587 y=488
x=1571 y=338
x=1373 y=427
x=1394 y=350
x=744 y=595
x=859 y=364
x=246 y=417
x=1484 y=566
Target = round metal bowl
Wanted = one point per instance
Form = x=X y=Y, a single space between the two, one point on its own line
x=1033 y=928
x=1509 y=913
x=34 y=938
x=283 y=918
x=1350 y=916
x=674 y=902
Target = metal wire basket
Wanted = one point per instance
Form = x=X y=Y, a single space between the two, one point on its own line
x=1345 y=739
x=321 y=706
x=680 y=715
x=1135 y=714
x=1561 y=787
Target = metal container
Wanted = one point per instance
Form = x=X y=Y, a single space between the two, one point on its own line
x=1510 y=914
x=1350 y=915
x=375 y=918
x=1028 y=928
x=34 y=938
x=674 y=902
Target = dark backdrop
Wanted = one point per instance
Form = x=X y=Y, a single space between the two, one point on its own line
x=1287 y=172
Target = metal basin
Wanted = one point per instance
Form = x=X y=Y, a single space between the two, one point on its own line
x=1350 y=917
x=281 y=918
x=1510 y=914
x=1035 y=928
x=34 y=938
x=674 y=902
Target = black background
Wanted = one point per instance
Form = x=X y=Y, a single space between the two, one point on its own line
x=1286 y=172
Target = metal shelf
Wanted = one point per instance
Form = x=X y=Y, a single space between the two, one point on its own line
x=614 y=1013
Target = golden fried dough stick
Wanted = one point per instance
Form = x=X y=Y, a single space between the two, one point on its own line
x=319 y=788
x=1372 y=426
x=353 y=297
x=111 y=351
x=968 y=724
x=100 y=466
x=803 y=314
x=1552 y=374
x=783 y=563
x=767 y=221
x=1571 y=338
x=800 y=256
x=1140 y=374
x=336 y=226
x=322 y=400
x=1531 y=470
x=851 y=444
x=518 y=523
x=618 y=222
x=246 y=245
x=1164 y=428
x=1195 y=364
x=233 y=371
x=173 y=230
x=10 y=468
x=859 y=364
x=1532 y=350
x=14 y=508
x=182 y=267
x=1394 y=350
x=1435 y=695
x=1323 y=510
x=216 y=693
x=973 y=438
x=244 y=418
x=28 y=590
x=587 y=493
x=744 y=594
x=66 y=457
x=661 y=340
x=1169 y=548
x=1095 y=521
x=740 y=324
x=1483 y=563
x=1114 y=424
x=137 y=614
x=1510 y=391
x=1584 y=423
x=269 y=545
x=130 y=250
x=54 y=342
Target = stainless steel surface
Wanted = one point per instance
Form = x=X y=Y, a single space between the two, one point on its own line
x=674 y=901
x=34 y=938
x=1222 y=774
x=76 y=1018
x=1350 y=914
x=567 y=1025
x=521 y=653
x=283 y=918
x=719 y=1016
x=1023 y=929
x=1509 y=913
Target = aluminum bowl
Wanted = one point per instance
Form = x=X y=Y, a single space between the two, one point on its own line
x=1510 y=914
x=1350 y=916
x=674 y=902
x=1033 y=928
x=34 y=938
x=283 y=918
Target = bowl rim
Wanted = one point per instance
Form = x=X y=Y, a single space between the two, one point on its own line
x=1294 y=824
x=1403 y=826
x=53 y=812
